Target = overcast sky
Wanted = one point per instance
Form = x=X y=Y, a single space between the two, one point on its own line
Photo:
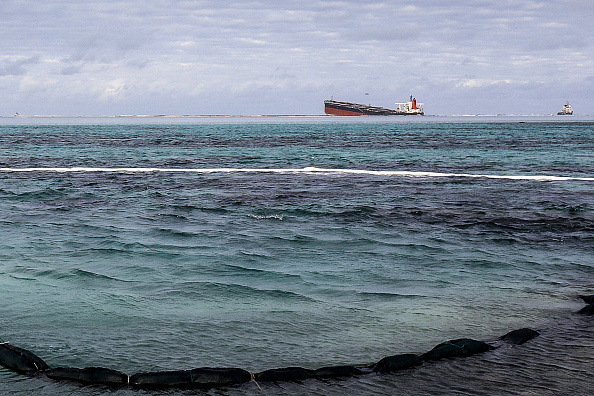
x=111 y=57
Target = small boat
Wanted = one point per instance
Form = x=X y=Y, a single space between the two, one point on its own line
x=566 y=110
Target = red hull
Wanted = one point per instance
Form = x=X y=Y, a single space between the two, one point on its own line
x=341 y=112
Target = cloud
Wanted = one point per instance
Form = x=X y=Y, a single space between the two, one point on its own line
x=176 y=53
x=479 y=83
x=113 y=90
x=16 y=66
x=71 y=69
x=30 y=84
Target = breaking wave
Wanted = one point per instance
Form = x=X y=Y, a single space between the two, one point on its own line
x=308 y=170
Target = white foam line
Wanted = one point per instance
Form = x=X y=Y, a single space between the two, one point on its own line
x=296 y=170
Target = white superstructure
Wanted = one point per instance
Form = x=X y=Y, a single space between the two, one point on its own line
x=410 y=107
x=566 y=110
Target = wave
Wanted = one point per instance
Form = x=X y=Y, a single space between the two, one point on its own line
x=218 y=290
x=90 y=275
x=388 y=295
x=268 y=217
x=309 y=170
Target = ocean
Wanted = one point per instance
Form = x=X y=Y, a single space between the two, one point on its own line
x=155 y=243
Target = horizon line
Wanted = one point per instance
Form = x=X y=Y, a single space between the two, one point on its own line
x=17 y=115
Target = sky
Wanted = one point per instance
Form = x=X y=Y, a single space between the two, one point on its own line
x=195 y=57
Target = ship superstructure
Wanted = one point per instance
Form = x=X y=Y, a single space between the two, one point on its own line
x=566 y=110
x=410 y=107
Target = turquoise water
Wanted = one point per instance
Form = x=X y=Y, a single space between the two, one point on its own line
x=166 y=244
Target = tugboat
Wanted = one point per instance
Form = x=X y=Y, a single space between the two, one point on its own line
x=566 y=110
x=333 y=107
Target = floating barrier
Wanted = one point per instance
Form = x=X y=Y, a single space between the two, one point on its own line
x=457 y=348
x=284 y=374
x=89 y=375
x=177 y=378
x=587 y=310
x=337 y=372
x=197 y=378
x=25 y=362
x=20 y=360
x=211 y=377
x=390 y=364
x=520 y=336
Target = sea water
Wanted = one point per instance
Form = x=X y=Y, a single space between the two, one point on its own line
x=175 y=243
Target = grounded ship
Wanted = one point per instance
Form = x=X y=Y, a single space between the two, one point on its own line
x=566 y=110
x=333 y=107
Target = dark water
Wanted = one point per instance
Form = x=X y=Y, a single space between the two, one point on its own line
x=281 y=242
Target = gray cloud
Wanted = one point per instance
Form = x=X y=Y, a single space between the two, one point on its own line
x=180 y=57
x=16 y=67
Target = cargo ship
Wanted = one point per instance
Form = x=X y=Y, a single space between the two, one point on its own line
x=566 y=110
x=333 y=107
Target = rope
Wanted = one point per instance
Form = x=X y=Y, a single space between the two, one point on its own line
x=256 y=382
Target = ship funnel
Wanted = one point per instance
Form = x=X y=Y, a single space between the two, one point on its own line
x=414 y=103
